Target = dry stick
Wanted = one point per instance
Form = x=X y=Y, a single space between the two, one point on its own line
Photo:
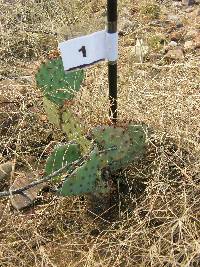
x=49 y=177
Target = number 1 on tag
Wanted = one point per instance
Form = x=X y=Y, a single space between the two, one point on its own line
x=83 y=50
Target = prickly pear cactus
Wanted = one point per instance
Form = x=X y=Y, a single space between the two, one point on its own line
x=129 y=143
x=114 y=147
x=57 y=85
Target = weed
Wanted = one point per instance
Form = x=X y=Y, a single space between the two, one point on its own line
x=151 y=11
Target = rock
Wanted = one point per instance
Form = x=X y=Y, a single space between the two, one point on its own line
x=175 y=36
x=177 y=4
x=188 y=2
x=20 y=201
x=179 y=24
x=172 y=44
x=175 y=54
x=189 y=45
x=5 y=170
x=197 y=41
x=157 y=23
x=191 y=34
x=174 y=18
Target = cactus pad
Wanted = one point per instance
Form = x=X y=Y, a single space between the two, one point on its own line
x=67 y=123
x=85 y=179
x=111 y=137
x=52 y=111
x=57 y=85
x=137 y=135
x=74 y=131
x=61 y=156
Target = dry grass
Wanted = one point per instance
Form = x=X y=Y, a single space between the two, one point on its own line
x=157 y=222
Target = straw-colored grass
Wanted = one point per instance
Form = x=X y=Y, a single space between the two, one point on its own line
x=157 y=221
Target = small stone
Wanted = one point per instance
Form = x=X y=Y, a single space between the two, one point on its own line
x=177 y=4
x=141 y=73
x=191 y=34
x=197 y=41
x=175 y=36
x=43 y=118
x=174 y=18
x=172 y=44
x=179 y=24
x=126 y=26
x=188 y=2
x=22 y=90
x=175 y=54
x=5 y=170
x=189 y=45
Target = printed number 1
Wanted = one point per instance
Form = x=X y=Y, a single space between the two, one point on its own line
x=83 y=50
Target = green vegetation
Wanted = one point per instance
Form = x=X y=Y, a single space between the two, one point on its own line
x=152 y=11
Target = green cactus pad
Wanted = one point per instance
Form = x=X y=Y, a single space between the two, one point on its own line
x=129 y=144
x=137 y=135
x=74 y=131
x=67 y=123
x=52 y=111
x=57 y=85
x=62 y=155
x=111 y=137
x=85 y=179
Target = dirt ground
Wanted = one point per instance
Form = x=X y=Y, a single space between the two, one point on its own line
x=154 y=218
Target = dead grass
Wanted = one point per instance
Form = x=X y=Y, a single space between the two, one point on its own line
x=157 y=222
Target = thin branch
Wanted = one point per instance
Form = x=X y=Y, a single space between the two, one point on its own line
x=49 y=177
x=9 y=102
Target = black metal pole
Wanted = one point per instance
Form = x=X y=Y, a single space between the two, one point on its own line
x=112 y=65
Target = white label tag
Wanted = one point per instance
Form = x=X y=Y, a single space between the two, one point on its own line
x=87 y=50
x=83 y=51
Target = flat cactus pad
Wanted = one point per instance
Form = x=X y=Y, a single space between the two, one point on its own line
x=57 y=85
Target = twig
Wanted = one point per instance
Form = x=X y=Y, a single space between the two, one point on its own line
x=9 y=102
x=49 y=177
x=41 y=181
